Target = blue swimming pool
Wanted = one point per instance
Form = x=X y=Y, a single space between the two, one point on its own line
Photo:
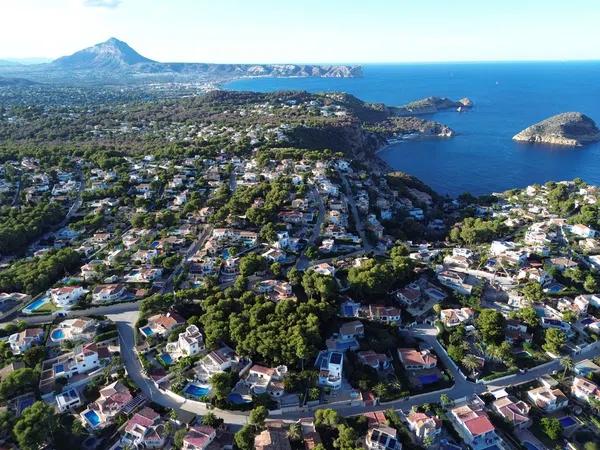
x=196 y=391
x=428 y=379
x=166 y=358
x=237 y=399
x=93 y=418
x=567 y=421
x=147 y=331
x=57 y=335
x=33 y=306
x=529 y=446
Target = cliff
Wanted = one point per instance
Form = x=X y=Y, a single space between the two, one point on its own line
x=567 y=129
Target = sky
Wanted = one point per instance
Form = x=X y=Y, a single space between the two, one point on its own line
x=305 y=31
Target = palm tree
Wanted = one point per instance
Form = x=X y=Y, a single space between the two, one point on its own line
x=567 y=363
x=471 y=363
x=295 y=432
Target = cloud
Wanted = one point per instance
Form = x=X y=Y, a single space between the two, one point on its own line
x=111 y=4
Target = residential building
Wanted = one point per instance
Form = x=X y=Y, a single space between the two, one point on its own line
x=515 y=412
x=104 y=293
x=65 y=401
x=547 y=398
x=161 y=324
x=199 y=437
x=424 y=426
x=144 y=430
x=24 y=340
x=413 y=359
x=110 y=403
x=272 y=439
x=584 y=389
x=330 y=365
x=378 y=361
x=455 y=317
x=67 y=296
x=474 y=426
x=382 y=438
x=266 y=380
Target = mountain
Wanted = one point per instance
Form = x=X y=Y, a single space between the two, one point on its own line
x=571 y=129
x=109 y=55
x=114 y=61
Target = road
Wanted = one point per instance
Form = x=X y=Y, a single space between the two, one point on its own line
x=125 y=325
x=198 y=243
x=302 y=261
x=354 y=210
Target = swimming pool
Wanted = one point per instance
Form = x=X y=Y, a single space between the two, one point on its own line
x=237 y=399
x=147 y=331
x=529 y=446
x=567 y=421
x=57 y=335
x=33 y=306
x=166 y=358
x=92 y=418
x=429 y=379
x=196 y=391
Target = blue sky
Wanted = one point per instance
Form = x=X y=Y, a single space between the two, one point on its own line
x=308 y=30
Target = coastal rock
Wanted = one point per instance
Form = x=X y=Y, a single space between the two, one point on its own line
x=432 y=105
x=403 y=127
x=571 y=129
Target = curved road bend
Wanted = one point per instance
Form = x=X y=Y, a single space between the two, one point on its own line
x=125 y=322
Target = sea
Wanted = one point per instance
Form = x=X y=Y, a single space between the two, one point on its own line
x=507 y=97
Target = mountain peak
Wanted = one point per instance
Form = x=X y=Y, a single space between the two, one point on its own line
x=110 y=54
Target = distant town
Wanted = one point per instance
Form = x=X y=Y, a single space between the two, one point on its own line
x=239 y=270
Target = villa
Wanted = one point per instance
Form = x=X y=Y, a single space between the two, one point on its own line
x=74 y=329
x=272 y=438
x=161 y=324
x=455 y=317
x=514 y=412
x=387 y=314
x=75 y=364
x=424 y=426
x=67 y=296
x=347 y=338
x=474 y=426
x=547 y=399
x=456 y=281
x=112 y=400
x=214 y=362
x=330 y=365
x=382 y=438
x=24 y=340
x=105 y=293
x=199 y=437
x=413 y=359
x=583 y=231
x=584 y=389
x=144 y=430
x=263 y=380
x=68 y=400
x=189 y=343
x=378 y=361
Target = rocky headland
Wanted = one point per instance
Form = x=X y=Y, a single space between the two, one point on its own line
x=572 y=129
x=432 y=105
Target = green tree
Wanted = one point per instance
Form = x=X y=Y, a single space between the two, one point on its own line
x=211 y=420
x=554 y=340
x=178 y=438
x=491 y=325
x=590 y=284
x=533 y=292
x=567 y=364
x=346 y=439
x=36 y=426
x=326 y=418
x=244 y=438
x=551 y=427
x=258 y=416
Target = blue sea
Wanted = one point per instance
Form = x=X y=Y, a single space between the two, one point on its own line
x=508 y=97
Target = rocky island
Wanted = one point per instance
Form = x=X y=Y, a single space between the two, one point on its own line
x=571 y=129
x=432 y=105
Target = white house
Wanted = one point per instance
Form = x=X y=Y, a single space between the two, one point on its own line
x=330 y=365
x=67 y=296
